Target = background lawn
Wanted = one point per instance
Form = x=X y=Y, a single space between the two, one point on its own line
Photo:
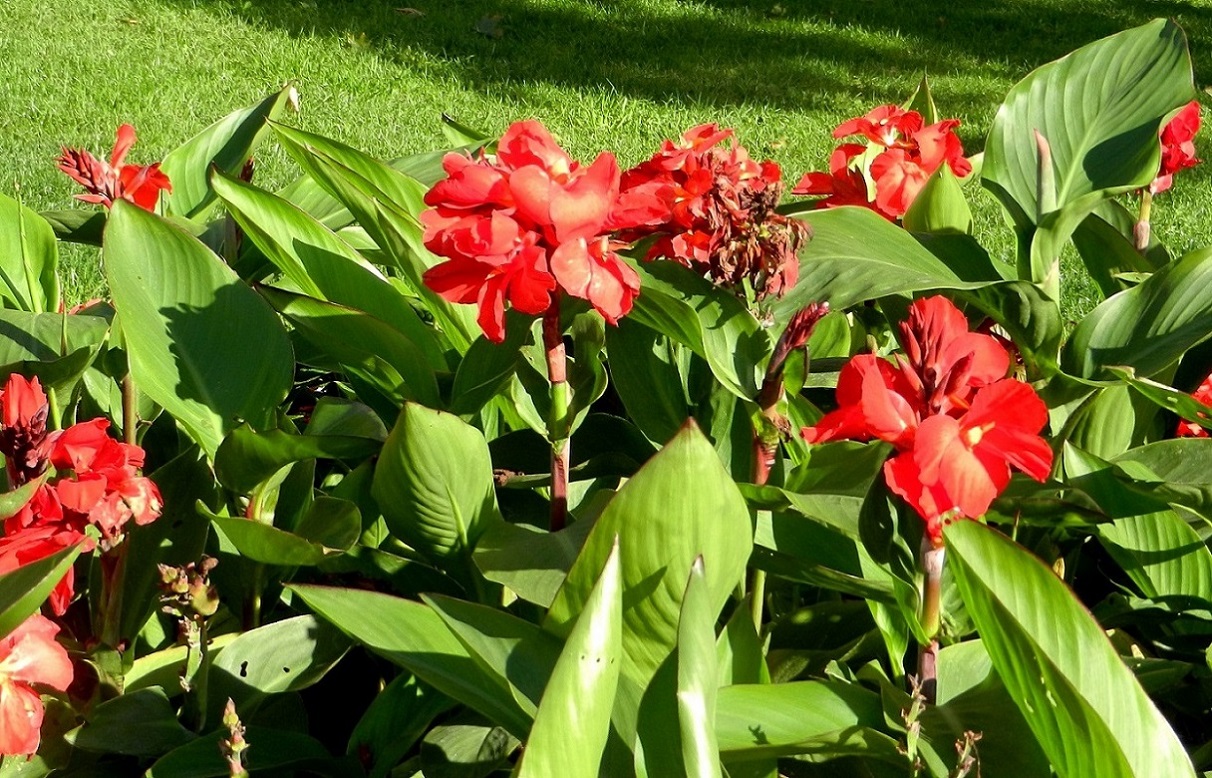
x=611 y=74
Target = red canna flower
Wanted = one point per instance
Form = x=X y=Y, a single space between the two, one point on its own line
x=524 y=224
x=1178 y=146
x=95 y=482
x=1189 y=429
x=946 y=405
x=115 y=180
x=28 y=655
x=713 y=208
x=23 y=437
x=887 y=173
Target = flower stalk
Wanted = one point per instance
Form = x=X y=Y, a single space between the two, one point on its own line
x=557 y=421
x=931 y=617
x=1142 y=230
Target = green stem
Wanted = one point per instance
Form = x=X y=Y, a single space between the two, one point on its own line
x=130 y=412
x=558 y=422
x=252 y=603
x=931 y=617
x=113 y=577
x=1142 y=231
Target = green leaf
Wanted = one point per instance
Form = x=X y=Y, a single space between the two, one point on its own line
x=518 y=654
x=11 y=502
x=321 y=264
x=1084 y=705
x=1105 y=243
x=1162 y=555
x=284 y=656
x=28 y=338
x=940 y=207
x=1100 y=110
x=29 y=259
x=246 y=457
x=394 y=722
x=1147 y=327
x=385 y=203
x=662 y=526
x=76 y=225
x=824 y=718
x=1031 y=319
x=697 y=678
x=23 y=590
x=1176 y=471
x=644 y=372
x=714 y=323
x=186 y=320
x=266 y=544
x=140 y=723
x=486 y=369
x=414 y=637
x=364 y=346
x=573 y=720
x=465 y=748
x=857 y=255
x=225 y=145
x=528 y=561
x=434 y=483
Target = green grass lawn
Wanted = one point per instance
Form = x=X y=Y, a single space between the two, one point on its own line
x=610 y=74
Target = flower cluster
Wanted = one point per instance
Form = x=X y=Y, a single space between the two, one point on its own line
x=523 y=224
x=714 y=209
x=957 y=422
x=28 y=655
x=1178 y=146
x=96 y=483
x=115 y=180
x=887 y=171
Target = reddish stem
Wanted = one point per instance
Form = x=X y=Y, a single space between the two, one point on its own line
x=557 y=425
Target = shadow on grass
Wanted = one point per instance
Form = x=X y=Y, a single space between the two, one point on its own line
x=816 y=54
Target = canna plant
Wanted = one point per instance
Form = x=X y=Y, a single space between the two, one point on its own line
x=484 y=461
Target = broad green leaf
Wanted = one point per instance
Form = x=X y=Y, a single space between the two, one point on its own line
x=1108 y=249
x=267 y=544
x=644 y=372
x=1162 y=555
x=1099 y=109
x=1104 y=424
x=269 y=749
x=434 y=483
x=364 y=346
x=1177 y=471
x=284 y=656
x=186 y=320
x=247 y=457
x=321 y=264
x=684 y=306
x=225 y=145
x=385 y=202
x=27 y=339
x=697 y=682
x=573 y=719
x=163 y=668
x=465 y=747
x=520 y=655
x=823 y=718
x=662 y=525
x=23 y=590
x=487 y=367
x=1087 y=711
x=940 y=206
x=414 y=637
x=856 y=255
x=29 y=259
x=1179 y=403
x=972 y=698
x=1031 y=319
x=77 y=225
x=393 y=723
x=530 y=562
x=140 y=723
x=1147 y=327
